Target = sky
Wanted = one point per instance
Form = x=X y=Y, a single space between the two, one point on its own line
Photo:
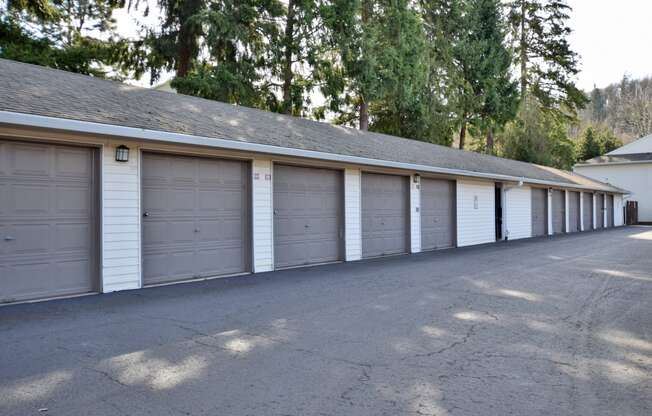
x=612 y=37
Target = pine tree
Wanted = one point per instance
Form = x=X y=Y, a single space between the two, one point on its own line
x=237 y=35
x=598 y=106
x=73 y=35
x=545 y=60
x=589 y=145
x=488 y=96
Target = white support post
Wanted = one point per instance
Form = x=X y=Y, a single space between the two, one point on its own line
x=550 y=231
x=604 y=211
x=595 y=216
x=352 y=214
x=566 y=213
x=581 y=211
x=263 y=216
x=415 y=214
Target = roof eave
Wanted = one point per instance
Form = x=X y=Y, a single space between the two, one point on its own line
x=56 y=123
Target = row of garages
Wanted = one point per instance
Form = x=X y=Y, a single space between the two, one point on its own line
x=75 y=221
x=570 y=211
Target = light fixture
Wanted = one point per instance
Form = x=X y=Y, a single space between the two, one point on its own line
x=122 y=153
x=416 y=178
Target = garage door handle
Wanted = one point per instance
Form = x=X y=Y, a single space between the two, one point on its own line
x=9 y=238
x=145 y=214
x=306 y=226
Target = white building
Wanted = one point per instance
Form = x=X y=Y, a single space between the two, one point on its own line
x=628 y=167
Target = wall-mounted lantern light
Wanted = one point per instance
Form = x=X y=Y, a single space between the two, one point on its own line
x=122 y=153
x=416 y=178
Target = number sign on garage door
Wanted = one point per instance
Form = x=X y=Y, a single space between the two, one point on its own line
x=384 y=214
x=195 y=217
x=437 y=213
x=48 y=231
x=308 y=223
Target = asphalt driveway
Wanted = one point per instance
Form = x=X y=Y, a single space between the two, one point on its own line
x=539 y=327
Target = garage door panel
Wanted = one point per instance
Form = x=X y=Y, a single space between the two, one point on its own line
x=437 y=213
x=573 y=211
x=539 y=212
x=588 y=211
x=47 y=207
x=558 y=211
x=198 y=218
x=308 y=210
x=30 y=160
x=384 y=214
x=599 y=211
x=72 y=237
x=29 y=199
x=72 y=163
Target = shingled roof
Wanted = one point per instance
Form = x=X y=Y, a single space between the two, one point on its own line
x=35 y=90
x=625 y=158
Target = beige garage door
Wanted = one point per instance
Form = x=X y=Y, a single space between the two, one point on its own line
x=437 y=213
x=48 y=231
x=384 y=214
x=308 y=223
x=195 y=217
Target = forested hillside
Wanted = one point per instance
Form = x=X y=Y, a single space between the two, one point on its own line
x=483 y=75
x=624 y=107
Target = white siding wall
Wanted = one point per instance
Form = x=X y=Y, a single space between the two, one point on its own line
x=605 y=224
x=595 y=212
x=415 y=215
x=549 y=206
x=262 y=216
x=120 y=220
x=566 y=213
x=619 y=217
x=352 y=214
x=518 y=212
x=635 y=178
x=475 y=213
x=582 y=208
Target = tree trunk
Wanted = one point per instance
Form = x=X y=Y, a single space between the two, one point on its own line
x=364 y=105
x=364 y=115
x=523 y=52
x=490 y=142
x=287 y=69
x=188 y=34
x=462 y=134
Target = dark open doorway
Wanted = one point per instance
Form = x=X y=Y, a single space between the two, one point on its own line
x=499 y=212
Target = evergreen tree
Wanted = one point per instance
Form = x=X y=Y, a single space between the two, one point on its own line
x=237 y=35
x=589 y=145
x=175 y=45
x=546 y=63
x=598 y=106
x=73 y=35
x=488 y=98
x=608 y=141
x=537 y=136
